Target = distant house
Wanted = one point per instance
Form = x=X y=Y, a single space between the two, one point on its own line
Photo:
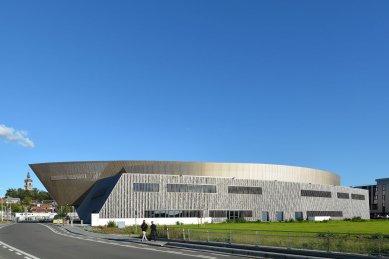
x=42 y=208
x=10 y=200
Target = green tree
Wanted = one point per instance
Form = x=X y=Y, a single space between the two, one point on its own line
x=63 y=211
x=34 y=194
x=18 y=208
x=27 y=201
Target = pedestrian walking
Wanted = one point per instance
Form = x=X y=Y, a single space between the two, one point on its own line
x=144 y=229
x=153 y=228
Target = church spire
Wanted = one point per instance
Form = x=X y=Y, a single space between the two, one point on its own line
x=28 y=183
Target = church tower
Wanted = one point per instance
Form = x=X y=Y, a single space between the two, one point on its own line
x=28 y=183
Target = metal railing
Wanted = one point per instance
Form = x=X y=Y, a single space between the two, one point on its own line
x=359 y=243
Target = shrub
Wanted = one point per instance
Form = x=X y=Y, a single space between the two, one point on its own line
x=357 y=219
x=241 y=220
x=111 y=224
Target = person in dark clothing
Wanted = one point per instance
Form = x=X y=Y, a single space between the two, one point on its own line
x=153 y=231
x=144 y=229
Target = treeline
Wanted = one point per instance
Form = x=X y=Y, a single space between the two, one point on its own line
x=25 y=195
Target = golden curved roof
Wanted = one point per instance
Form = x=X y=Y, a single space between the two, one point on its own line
x=68 y=182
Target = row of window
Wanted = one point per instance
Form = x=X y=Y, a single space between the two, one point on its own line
x=206 y=188
x=325 y=194
x=234 y=214
x=230 y=214
x=198 y=188
x=173 y=213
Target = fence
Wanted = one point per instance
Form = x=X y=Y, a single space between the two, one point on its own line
x=331 y=242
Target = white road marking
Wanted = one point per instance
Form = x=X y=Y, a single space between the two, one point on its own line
x=137 y=247
x=18 y=253
x=11 y=248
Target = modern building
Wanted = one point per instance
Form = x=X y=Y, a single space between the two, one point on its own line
x=194 y=192
x=379 y=206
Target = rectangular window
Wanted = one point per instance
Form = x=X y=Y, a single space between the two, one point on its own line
x=146 y=187
x=265 y=216
x=244 y=190
x=218 y=213
x=325 y=213
x=343 y=195
x=357 y=196
x=280 y=216
x=191 y=188
x=312 y=193
x=230 y=214
x=298 y=215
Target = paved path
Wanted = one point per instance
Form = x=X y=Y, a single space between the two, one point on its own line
x=35 y=241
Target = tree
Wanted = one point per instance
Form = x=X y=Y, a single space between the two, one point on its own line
x=63 y=211
x=17 y=208
x=27 y=201
x=34 y=194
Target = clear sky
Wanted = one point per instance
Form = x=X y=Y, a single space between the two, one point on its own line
x=301 y=83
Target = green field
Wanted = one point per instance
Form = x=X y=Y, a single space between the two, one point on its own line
x=368 y=227
x=336 y=236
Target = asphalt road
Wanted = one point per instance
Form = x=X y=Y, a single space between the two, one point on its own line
x=34 y=241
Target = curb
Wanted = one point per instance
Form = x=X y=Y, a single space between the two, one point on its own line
x=272 y=252
x=267 y=252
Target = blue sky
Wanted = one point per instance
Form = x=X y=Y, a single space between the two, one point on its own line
x=287 y=82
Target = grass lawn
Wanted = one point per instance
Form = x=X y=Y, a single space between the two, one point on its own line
x=364 y=227
x=371 y=227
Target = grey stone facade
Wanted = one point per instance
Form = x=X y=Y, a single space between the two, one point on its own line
x=277 y=196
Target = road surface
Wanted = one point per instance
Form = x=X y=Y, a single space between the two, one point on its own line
x=39 y=241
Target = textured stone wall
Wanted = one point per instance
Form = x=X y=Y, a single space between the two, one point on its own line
x=276 y=196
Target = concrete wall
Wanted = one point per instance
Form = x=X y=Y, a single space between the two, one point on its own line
x=276 y=196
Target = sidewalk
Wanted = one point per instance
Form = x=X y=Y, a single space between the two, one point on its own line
x=236 y=249
x=80 y=231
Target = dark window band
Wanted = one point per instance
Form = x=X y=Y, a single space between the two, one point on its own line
x=357 y=197
x=173 y=214
x=343 y=195
x=324 y=213
x=244 y=190
x=312 y=193
x=146 y=187
x=205 y=188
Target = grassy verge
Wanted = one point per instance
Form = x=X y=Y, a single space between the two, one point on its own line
x=367 y=227
x=363 y=227
x=365 y=237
